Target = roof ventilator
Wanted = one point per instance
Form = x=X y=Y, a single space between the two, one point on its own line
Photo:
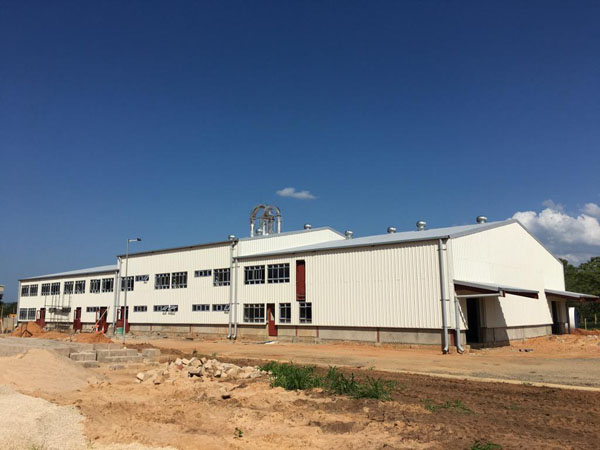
x=348 y=234
x=481 y=219
x=421 y=224
x=391 y=230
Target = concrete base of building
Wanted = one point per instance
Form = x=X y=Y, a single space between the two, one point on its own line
x=505 y=335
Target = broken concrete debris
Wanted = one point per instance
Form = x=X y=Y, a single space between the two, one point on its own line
x=183 y=368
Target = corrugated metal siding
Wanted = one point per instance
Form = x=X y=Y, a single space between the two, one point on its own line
x=509 y=255
x=391 y=286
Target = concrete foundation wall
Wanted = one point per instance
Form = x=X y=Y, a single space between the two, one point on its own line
x=504 y=335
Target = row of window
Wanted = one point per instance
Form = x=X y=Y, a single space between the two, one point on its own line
x=277 y=273
x=26 y=313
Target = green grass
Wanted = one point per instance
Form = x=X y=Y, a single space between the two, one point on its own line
x=292 y=377
x=456 y=405
x=478 y=445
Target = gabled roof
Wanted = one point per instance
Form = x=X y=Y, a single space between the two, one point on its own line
x=80 y=272
x=393 y=238
x=226 y=242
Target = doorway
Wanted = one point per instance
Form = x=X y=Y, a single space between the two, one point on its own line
x=555 y=322
x=474 y=320
x=120 y=318
x=102 y=322
x=41 y=320
x=271 y=327
x=77 y=319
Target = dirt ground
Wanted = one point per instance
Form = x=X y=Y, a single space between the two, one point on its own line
x=425 y=411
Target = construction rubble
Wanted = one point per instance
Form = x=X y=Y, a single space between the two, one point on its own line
x=197 y=369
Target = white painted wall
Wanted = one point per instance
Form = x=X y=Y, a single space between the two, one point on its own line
x=508 y=255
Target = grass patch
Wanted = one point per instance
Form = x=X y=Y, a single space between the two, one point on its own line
x=456 y=405
x=292 y=377
x=479 y=445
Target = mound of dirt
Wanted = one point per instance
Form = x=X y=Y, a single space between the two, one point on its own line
x=43 y=371
x=583 y=332
x=91 y=338
x=27 y=329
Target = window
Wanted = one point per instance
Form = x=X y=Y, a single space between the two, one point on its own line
x=279 y=273
x=31 y=313
x=140 y=308
x=69 y=287
x=305 y=312
x=285 y=313
x=222 y=277
x=254 y=275
x=94 y=286
x=203 y=273
x=142 y=278
x=108 y=284
x=55 y=289
x=25 y=291
x=200 y=307
x=92 y=309
x=220 y=307
x=254 y=313
x=179 y=280
x=166 y=308
x=127 y=283
x=80 y=287
x=162 y=281
x=33 y=289
x=45 y=288
x=22 y=313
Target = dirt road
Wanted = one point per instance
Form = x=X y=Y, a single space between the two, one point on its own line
x=570 y=359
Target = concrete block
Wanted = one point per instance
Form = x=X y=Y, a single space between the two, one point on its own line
x=83 y=356
x=89 y=364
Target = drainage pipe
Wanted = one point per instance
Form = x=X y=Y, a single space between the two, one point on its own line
x=233 y=244
x=443 y=281
x=116 y=300
x=459 y=347
x=235 y=298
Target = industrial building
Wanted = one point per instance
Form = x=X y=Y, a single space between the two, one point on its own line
x=487 y=283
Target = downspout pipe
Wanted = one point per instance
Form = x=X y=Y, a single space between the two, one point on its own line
x=117 y=288
x=235 y=298
x=443 y=283
x=233 y=242
x=459 y=347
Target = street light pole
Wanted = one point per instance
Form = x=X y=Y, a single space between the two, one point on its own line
x=124 y=311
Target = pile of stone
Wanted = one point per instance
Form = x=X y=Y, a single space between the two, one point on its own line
x=198 y=368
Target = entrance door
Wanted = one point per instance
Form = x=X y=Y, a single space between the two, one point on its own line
x=300 y=280
x=77 y=319
x=555 y=324
x=473 y=321
x=272 y=328
x=102 y=322
x=120 y=318
x=41 y=320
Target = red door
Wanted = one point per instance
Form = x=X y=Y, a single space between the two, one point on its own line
x=102 y=322
x=77 y=319
x=120 y=318
x=41 y=320
x=300 y=281
x=272 y=328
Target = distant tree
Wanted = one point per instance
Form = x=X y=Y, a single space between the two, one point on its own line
x=585 y=279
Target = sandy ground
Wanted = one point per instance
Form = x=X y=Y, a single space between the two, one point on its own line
x=568 y=359
x=107 y=409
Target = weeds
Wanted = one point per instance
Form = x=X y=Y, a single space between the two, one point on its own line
x=456 y=405
x=292 y=377
x=238 y=433
x=478 y=445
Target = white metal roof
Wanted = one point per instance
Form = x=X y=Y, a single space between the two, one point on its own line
x=390 y=238
x=571 y=295
x=496 y=288
x=91 y=270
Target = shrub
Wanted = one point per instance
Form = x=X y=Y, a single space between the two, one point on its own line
x=292 y=377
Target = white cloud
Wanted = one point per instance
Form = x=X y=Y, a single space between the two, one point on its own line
x=591 y=209
x=292 y=192
x=574 y=237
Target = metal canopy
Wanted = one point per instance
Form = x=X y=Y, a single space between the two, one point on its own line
x=567 y=295
x=490 y=288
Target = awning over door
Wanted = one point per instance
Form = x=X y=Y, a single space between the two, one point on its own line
x=491 y=288
x=575 y=296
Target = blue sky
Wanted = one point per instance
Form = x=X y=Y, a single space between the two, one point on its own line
x=171 y=120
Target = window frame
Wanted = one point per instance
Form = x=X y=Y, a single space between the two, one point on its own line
x=45 y=289
x=202 y=273
x=33 y=290
x=165 y=279
x=69 y=287
x=25 y=290
x=55 y=288
x=107 y=285
x=127 y=283
x=201 y=307
x=254 y=313
x=179 y=280
x=278 y=273
x=305 y=307
x=287 y=307
x=79 y=287
x=222 y=277
x=220 y=307
x=140 y=308
x=254 y=275
x=95 y=286
x=165 y=308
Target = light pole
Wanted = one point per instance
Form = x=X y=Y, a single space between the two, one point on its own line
x=124 y=312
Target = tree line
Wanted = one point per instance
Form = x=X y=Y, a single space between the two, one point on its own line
x=585 y=279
